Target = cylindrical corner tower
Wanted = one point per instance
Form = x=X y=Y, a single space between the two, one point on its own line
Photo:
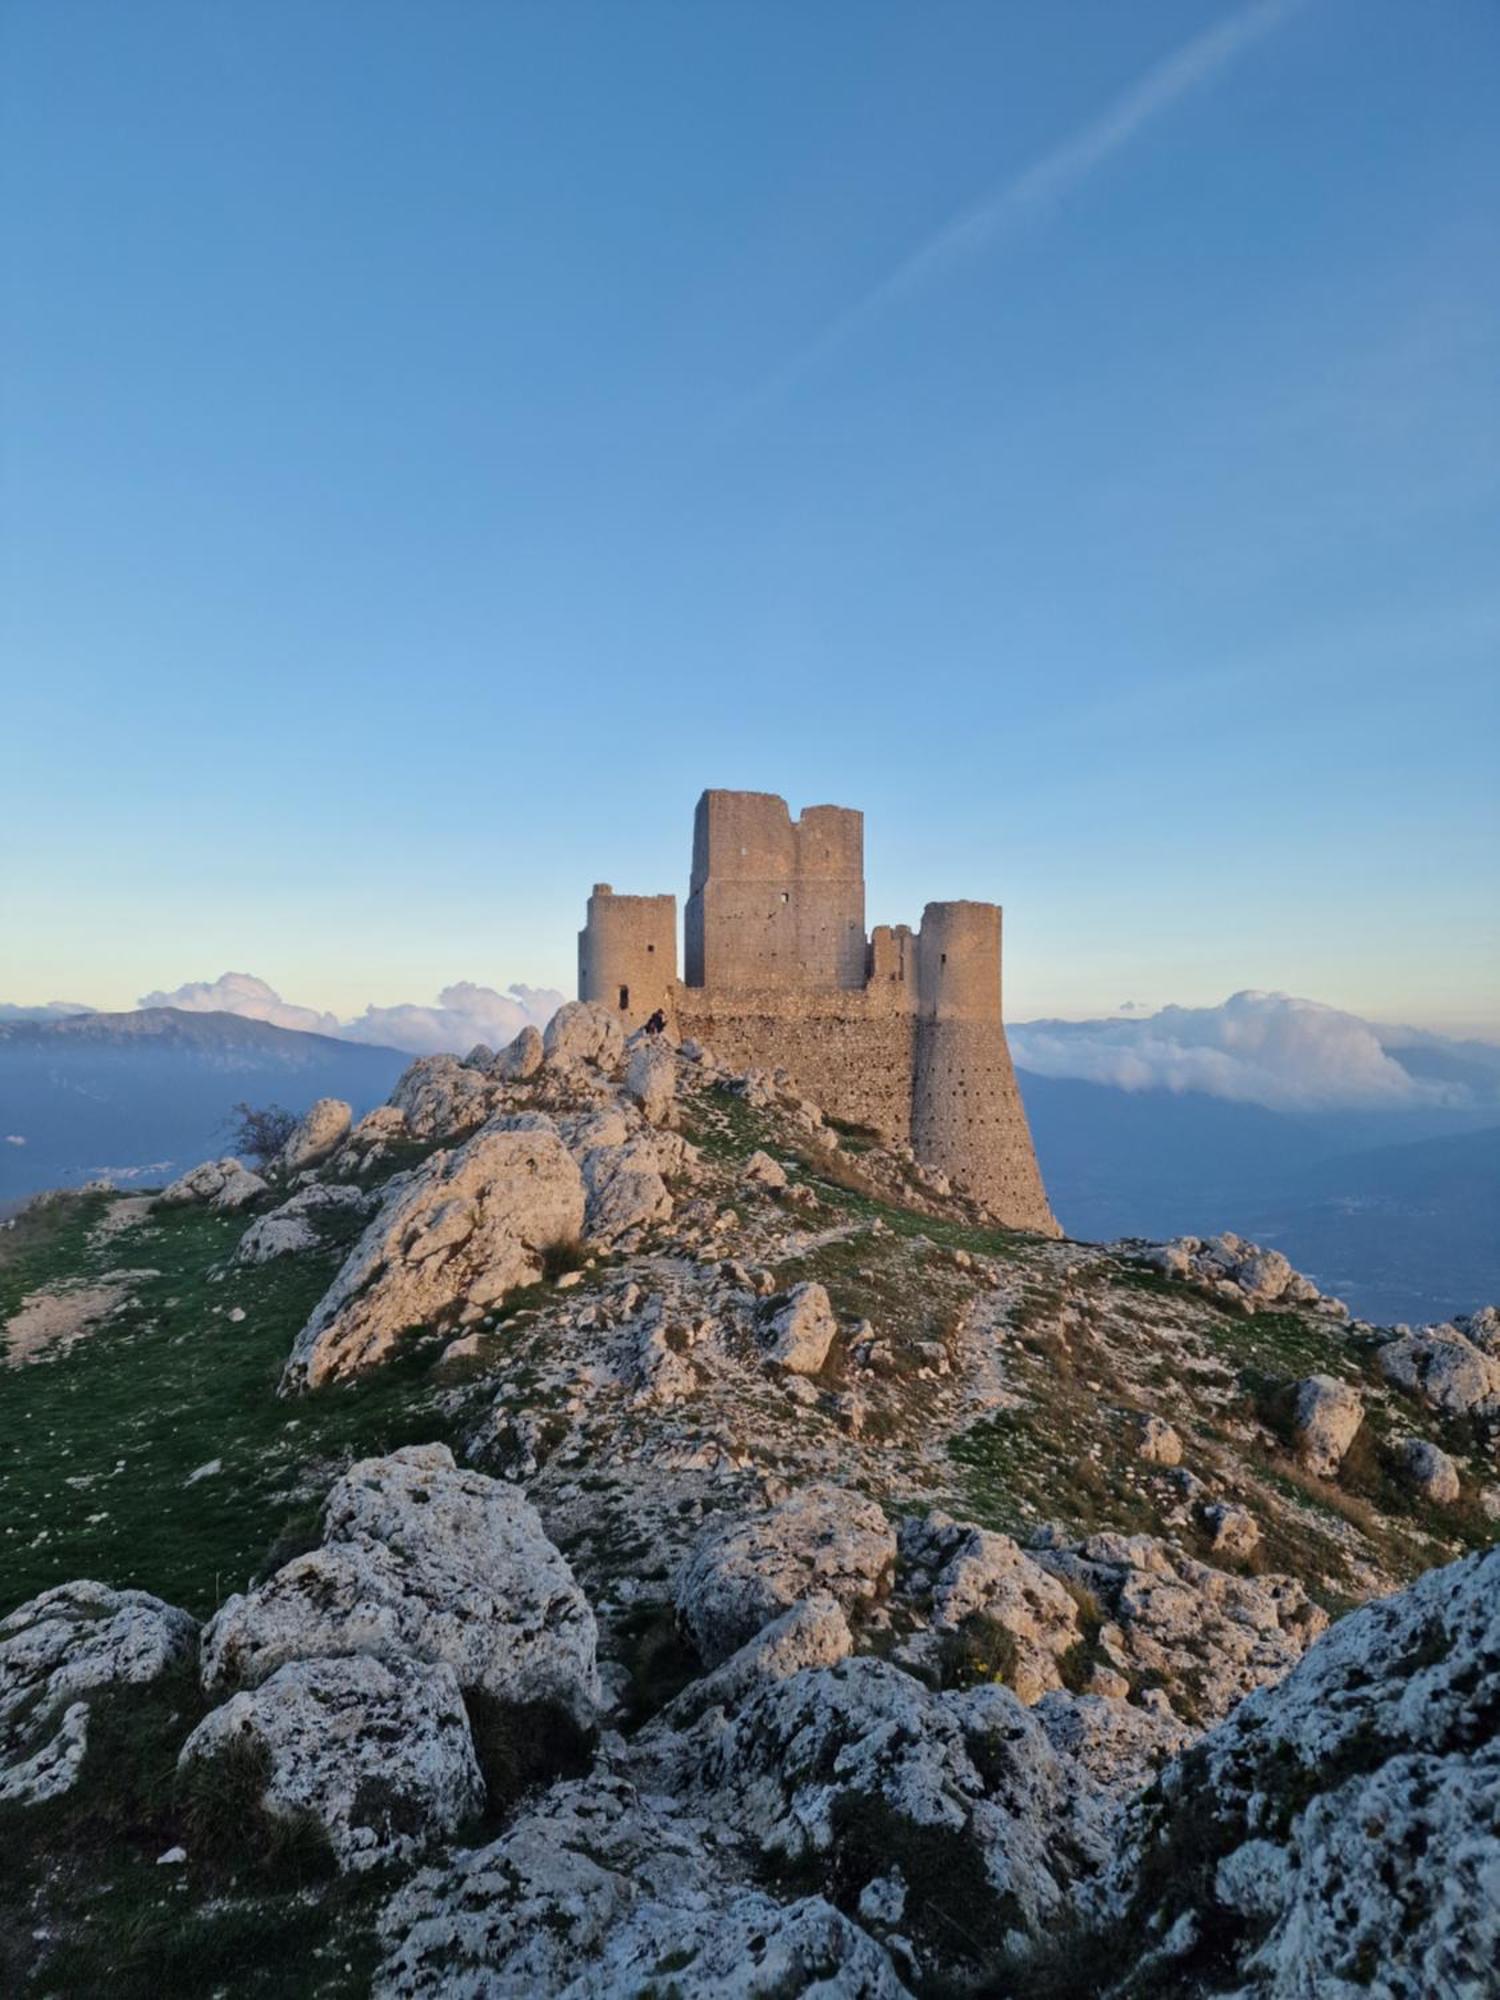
x=967 y=1115
x=627 y=954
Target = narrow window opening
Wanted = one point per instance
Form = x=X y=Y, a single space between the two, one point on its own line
x=945 y=958
x=651 y=947
x=624 y=999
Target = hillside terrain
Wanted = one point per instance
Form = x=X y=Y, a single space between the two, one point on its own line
x=654 y=1541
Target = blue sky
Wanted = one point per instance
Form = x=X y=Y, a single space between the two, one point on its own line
x=440 y=440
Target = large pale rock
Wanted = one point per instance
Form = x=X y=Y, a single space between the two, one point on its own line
x=294 y=1226
x=1445 y=1369
x=625 y=1191
x=762 y=1171
x=521 y=1059
x=822 y=1540
x=1429 y=1471
x=442 y=1099
x=317 y=1134
x=222 y=1184
x=1260 y=1277
x=377 y=1751
x=60 y=1651
x=1326 y=1416
x=847 y=1772
x=1342 y=1829
x=462 y=1230
x=422 y=1560
x=1201 y=1636
x=583 y=1032
x=976 y=1573
x=800 y=1331
x=1158 y=1443
x=651 y=1078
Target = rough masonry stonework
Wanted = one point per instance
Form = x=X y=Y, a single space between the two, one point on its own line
x=897 y=1030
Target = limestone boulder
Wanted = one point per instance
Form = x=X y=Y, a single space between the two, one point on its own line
x=294 y=1227
x=581 y=1032
x=520 y=1059
x=61 y=1652
x=976 y=1574
x=1197 y=1635
x=1446 y=1369
x=221 y=1184
x=1233 y=1531
x=318 y=1134
x=651 y=1078
x=455 y=1235
x=1344 y=1826
x=377 y=1753
x=625 y=1192
x=421 y=1560
x=1158 y=1443
x=823 y=1540
x=1429 y=1471
x=762 y=1171
x=1326 y=1415
x=800 y=1330
x=442 y=1099
x=848 y=1772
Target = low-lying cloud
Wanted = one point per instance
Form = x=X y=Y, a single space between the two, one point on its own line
x=1256 y=1048
x=462 y=1015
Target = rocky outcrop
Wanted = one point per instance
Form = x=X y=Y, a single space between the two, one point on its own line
x=1446 y=1369
x=1326 y=1415
x=441 y=1098
x=651 y=1078
x=422 y=1561
x=799 y=1332
x=583 y=1032
x=293 y=1227
x=1340 y=1833
x=519 y=1059
x=1194 y=1636
x=625 y=1192
x=450 y=1239
x=1428 y=1470
x=1235 y=1269
x=375 y=1753
x=222 y=1184
x=317 y=1134
x=962 y=1574
x=61 y=1652
x=823 y=1540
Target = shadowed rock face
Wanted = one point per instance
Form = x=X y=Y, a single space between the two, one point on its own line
x=1341 y=1829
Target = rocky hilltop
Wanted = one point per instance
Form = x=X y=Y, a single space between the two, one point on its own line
x=594 y=1526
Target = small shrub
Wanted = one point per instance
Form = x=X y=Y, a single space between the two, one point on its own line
x=558 y=1258
x=230 y=1830
x=519 y=1743
x=259 y=1132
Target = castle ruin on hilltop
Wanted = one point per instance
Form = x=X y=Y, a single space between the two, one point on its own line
x=899 y=1031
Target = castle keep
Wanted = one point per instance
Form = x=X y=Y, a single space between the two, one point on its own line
x=898 y=1030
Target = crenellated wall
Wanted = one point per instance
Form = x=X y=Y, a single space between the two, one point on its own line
x=902 y=1032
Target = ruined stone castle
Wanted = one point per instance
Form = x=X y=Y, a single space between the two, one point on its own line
x=897 y=1030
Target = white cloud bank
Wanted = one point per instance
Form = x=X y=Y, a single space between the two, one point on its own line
x=463 y=1015
x=1257 y=1048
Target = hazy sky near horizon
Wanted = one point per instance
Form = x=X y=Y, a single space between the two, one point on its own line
x=441 y=440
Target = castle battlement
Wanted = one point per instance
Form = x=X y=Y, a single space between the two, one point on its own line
x=900 y=1030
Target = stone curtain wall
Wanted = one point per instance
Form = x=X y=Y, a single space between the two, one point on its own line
x=853 y=1057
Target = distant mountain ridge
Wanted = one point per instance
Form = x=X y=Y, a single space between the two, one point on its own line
x=113 y=1094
